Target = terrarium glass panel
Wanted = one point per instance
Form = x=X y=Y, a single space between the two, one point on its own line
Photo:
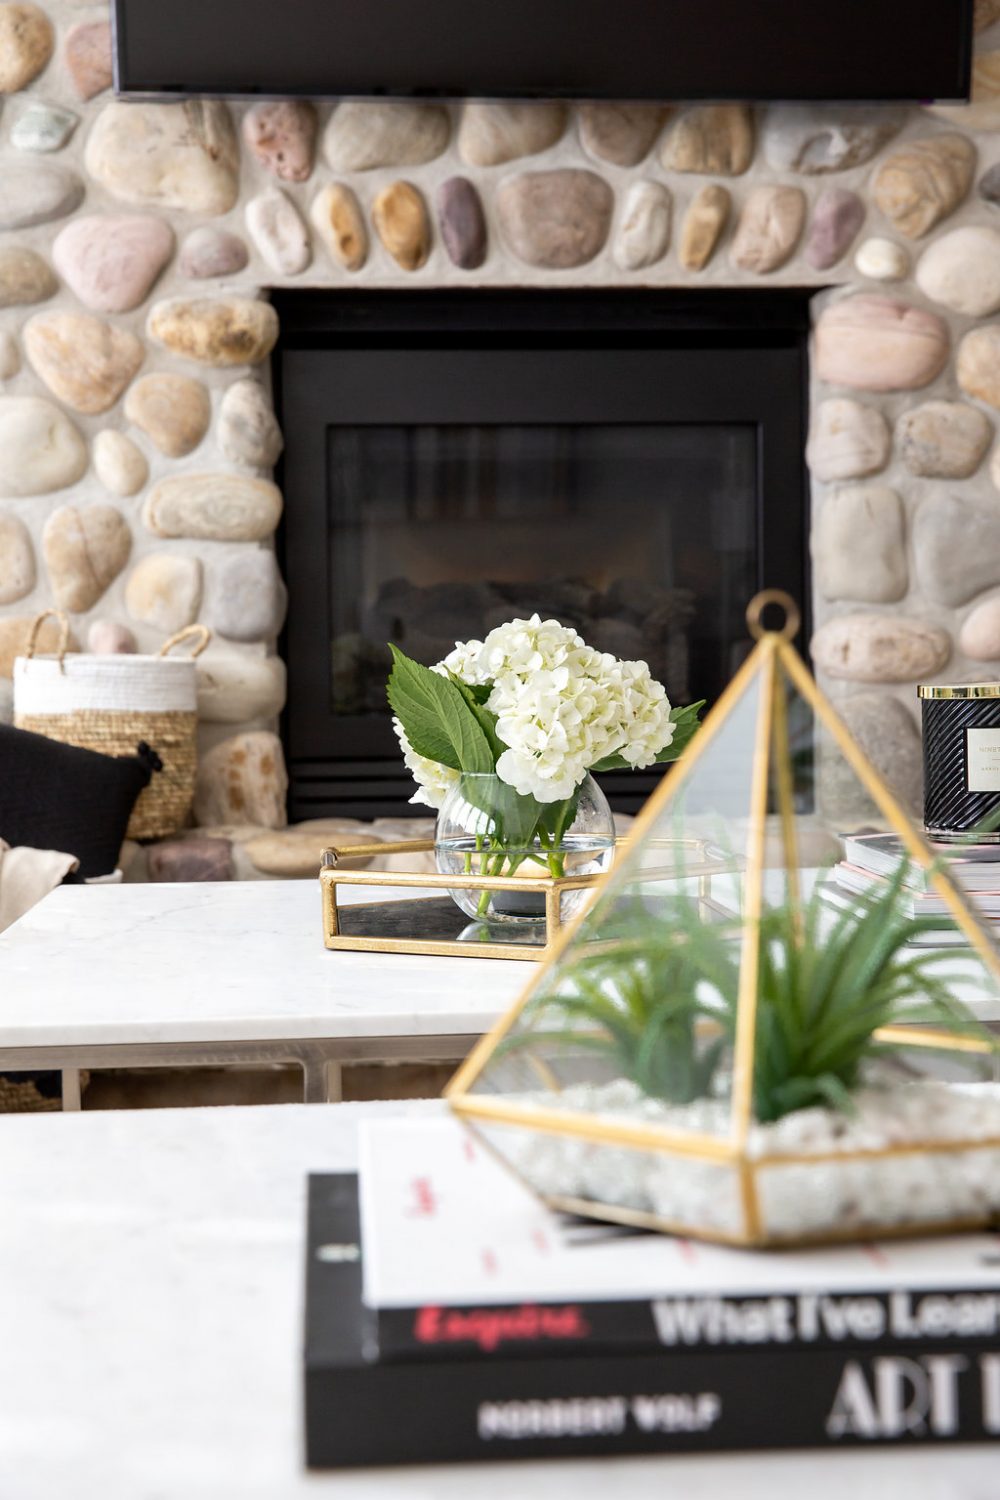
x=764 y=1028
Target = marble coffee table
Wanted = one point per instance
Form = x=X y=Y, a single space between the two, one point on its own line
x=151 y=1282
x=171 y=975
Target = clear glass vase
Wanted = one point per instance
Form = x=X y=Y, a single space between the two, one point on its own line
x=485 y=828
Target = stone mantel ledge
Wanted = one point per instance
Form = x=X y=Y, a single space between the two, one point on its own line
x=135 y=391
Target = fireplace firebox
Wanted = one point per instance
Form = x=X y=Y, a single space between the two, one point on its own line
x=628 y=462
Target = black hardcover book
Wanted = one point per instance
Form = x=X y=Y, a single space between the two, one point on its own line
x=362 y=1410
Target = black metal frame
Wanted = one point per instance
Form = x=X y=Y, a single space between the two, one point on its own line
x=481 y=355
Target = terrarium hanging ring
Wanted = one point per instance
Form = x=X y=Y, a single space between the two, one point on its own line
x=755 y=615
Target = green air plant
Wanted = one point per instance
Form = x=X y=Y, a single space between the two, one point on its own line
x=656 y=996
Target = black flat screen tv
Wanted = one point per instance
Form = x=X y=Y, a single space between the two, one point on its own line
x=612 y=49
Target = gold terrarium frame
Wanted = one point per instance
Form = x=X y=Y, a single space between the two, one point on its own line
x=333 y=876
x=773 y=655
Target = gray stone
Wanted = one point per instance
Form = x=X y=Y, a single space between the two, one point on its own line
x=340 y=223
x=43 y=127
x=172 y=410
x=943 y=439
x=859 y=545
x=622 y=134
x=182 y=156
x=961 y=270
x=217 y=331
x=277 y=230
x=213 y=507
x=837 y=217
x=922 y=182
x=363 y=135
x=119 y=464
x=40 y=449
x=25 y=277
x=643 y=234
x=978 y=364
x=281 y=134
x=401 y=222
x=163 y=591
x=17 y=559
x=555 y=220
x=112 y=260
x=10 y=355
x=847 y=440
x=889 y=738
x=247 y=429
x=110 y=638
x=26 y=44
x=84 y=361
x=233 y=689
x=491 y=134
x=191 y=859
x=212 y=252
x=882 y=260
x=769 y=228
x=879 y=648
x=877 y=343
x=980 y=633
x=249 y=598
x=85 y=550
x=716 y=139
x=34 y=192
x=814 y=138
x=989 y=184
x=956 y=547
x=462 y=223
x=243 y=780
x=703 y=225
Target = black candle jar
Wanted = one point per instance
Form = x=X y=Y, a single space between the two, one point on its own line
x=961 y=727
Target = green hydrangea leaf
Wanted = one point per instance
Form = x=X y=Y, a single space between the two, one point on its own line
x=438 y=721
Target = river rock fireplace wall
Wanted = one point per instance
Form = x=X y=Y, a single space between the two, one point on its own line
x=140 y=244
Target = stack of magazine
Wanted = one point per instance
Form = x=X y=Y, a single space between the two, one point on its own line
x=872 y=859
x=451 y=1316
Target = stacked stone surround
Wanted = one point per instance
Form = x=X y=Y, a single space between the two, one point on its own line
x=138 y=243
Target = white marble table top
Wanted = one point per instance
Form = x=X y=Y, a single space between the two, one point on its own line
x=151 y=1273
x=230 y=961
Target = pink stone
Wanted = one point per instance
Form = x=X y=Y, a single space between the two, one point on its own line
x=108 y=638
x=88 y=57
x=877 y=343
x=191 y=859
x=838 y=217
x=281 y=133
x=112 y=260
x=212 y=252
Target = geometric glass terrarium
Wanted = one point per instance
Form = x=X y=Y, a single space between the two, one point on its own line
x=746 y=1036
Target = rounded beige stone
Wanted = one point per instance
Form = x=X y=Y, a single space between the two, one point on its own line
x=84 y=550
x=15 y=633
x=882 y=260
x=296 y=853
x=961 y=271
x=620 y=133
x=879 y=344
x=276 y=228
x=247 y=429
x=859 y=545
x=182 y=156
x=943 y=439
x=555 y=220
x=10 y=355
x=163 y=590
x=716 y=139
x=213 y=507
x=25 y=278
x=643 y=235
x=703 y=225
x=172 y=410
x=979 y=636
x=40 y=448
x=978 y=364
x=955 y=546
x=402 y=223
x=218 y=331
x=27 y=41
x=880 y=648
x=365 y=134
x=848 y=440
x=340 y=224
x=243 y=780
x=769 y=229
x=84 y=361
x=17 y=559
x=234 y=688
x=490 y=134
x=119 y=464
x=922 y=182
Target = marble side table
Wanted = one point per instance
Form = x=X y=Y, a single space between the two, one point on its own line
x=187 y=975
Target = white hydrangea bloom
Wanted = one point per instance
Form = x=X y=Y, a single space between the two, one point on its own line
x=434 y=781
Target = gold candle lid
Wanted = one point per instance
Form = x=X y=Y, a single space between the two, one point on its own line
x=959 y=690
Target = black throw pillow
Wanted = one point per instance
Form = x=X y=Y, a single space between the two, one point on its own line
x=55 y=796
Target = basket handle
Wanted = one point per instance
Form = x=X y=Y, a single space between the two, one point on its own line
x=201 y=631
x=36 y=625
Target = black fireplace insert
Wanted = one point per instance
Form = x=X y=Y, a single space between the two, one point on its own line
x=630 y=463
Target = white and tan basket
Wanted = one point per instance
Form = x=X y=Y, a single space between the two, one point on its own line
x=111 y=704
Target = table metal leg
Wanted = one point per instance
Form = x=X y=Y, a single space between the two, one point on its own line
x=314 y=1080
x=334 y=1082
x=71 y=1088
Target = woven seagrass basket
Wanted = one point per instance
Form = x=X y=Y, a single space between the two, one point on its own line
x=111 y=704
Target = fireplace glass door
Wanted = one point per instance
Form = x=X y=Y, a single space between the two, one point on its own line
x=437 y=487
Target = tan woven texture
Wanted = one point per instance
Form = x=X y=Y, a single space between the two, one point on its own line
x=165 y=805
x=24 y=1099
